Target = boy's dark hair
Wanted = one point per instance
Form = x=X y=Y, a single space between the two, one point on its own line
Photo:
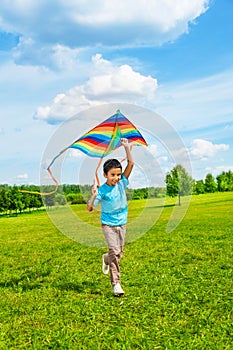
x=111 y=163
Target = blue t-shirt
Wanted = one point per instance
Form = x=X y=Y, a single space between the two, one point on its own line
x=113 y=201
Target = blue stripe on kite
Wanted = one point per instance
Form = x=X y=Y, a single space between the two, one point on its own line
x=96 y=137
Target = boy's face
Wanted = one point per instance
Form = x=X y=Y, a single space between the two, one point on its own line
x=113 y=176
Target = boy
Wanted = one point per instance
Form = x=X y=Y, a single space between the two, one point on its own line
x=114 y=211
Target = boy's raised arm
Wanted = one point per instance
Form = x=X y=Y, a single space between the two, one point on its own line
x=90 y=204
x=130 y=161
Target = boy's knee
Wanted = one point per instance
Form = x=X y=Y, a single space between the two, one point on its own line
x=114 y=252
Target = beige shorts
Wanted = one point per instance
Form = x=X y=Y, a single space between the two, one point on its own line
x=114 y=235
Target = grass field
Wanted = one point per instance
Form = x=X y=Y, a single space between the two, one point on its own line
x=179 y=285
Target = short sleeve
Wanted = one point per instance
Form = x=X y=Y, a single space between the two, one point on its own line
x=97 y=199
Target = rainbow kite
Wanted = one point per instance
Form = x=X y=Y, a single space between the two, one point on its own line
x=106 y=137
x=102 y=140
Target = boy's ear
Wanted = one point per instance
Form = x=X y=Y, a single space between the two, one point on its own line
x=105 y=175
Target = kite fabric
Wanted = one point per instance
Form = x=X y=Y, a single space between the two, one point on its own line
x=104 y=139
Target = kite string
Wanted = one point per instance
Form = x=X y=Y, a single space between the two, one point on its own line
x=96 y=172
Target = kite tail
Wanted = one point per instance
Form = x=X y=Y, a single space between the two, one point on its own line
x=52 y=177
x=44 y=193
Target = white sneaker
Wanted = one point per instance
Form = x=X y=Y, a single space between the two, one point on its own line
x=117 y=290
x=105 y=267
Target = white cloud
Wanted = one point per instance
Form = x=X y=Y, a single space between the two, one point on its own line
x=74 y=153
x=219 y=169
x=153 y=149
x=163 y=159
x=203 y=149
x=107 y=83
x=56 y=57
x=161 y=13
x=113 y=80
x=86 y=23
x=22 y=176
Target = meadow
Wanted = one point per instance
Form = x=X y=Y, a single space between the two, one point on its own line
x=179 y=285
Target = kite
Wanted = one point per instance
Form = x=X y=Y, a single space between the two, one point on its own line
x=103 y=139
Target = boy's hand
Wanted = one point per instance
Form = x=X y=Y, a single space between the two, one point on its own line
x=124 y=142
x=90 y=205
x=94 y=188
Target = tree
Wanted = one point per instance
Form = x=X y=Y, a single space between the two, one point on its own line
x=225 y=181
x=4 y=199
x=179 y=182
x=172 y=183
x=140 y=193
x=156 y=192
x=210 y=184
x=60 y=199
x=229 y=175
x=35 y=201
x=222 y=182
x=49 y=200
x=199 y=187
x=15 y=200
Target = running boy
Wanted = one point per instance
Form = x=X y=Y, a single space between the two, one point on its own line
x=114 y=211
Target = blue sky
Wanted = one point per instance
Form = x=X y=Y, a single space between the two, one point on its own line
x=58 y=59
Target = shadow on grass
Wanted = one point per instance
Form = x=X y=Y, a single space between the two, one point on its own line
x=161 y=206
x=85 y=286
x=26 y=282
x=23 y=284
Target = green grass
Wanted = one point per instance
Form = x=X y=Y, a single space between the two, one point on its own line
x=179 y=285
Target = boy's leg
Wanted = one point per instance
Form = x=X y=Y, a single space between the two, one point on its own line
x=115 y=236
x=114 y=256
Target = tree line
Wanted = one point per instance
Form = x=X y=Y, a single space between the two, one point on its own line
x=178 y=182
x=12 y=200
